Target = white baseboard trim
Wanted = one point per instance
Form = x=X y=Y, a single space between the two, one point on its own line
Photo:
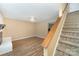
x=40 y=36
x=28 y=37
x=23 y=38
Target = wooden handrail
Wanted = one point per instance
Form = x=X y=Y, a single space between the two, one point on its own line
x=51 y=33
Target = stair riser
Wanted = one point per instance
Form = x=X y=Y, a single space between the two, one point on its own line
x=70 y=18
x=76 y=20
x=67 y=49
x=60 y=53
x=71 y=24
x=70 y=39
x=70 y=29
x=65 y=46
x=71 y=33
x=72 y=21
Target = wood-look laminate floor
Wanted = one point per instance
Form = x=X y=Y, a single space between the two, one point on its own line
x=27 y=47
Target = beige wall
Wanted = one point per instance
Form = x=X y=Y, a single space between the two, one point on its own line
x=23 y=29
x=41 y=29
x=18 y=29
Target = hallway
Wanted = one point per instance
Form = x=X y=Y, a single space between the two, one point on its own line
x=27 y=47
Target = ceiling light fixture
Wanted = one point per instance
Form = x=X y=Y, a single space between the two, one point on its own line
x=1 y=19
x=32 y=19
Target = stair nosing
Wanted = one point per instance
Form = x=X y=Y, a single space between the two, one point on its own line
x=69 y=43
x=69 y=36
x=65 y=52
x=70 y=31
x=71 y=27
x=70 y=23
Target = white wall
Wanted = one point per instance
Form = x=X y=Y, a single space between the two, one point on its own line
x=74 y=7
x=41 y=29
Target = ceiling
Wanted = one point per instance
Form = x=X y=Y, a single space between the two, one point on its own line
x=74 y=7
x=24 y=11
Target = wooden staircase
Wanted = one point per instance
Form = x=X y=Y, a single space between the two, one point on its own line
x=68 y=44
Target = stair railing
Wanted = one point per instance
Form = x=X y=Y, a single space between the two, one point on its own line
x=51 y=40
